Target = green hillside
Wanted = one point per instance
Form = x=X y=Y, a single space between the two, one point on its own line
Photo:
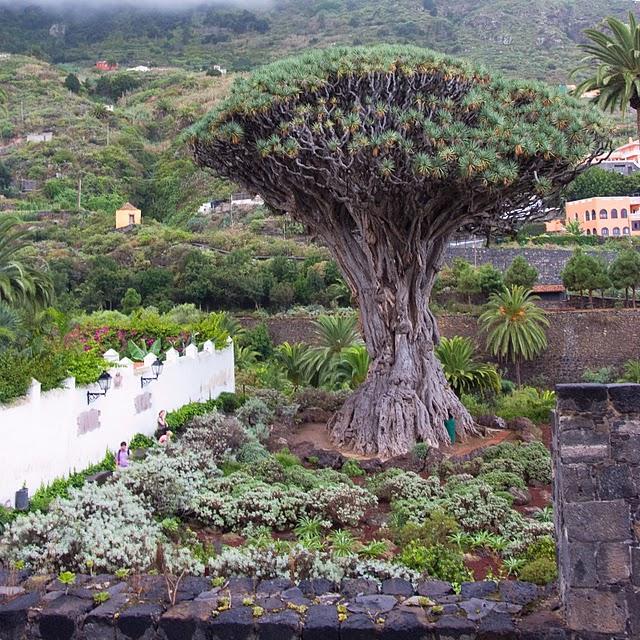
x=532 y=38
x=132 y=152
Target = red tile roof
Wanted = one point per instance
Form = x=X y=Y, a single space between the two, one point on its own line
x=548 y=288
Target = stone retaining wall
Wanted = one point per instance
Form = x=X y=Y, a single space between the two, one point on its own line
x=548 y=262
x=578 y=340
x=275 y=610
x=596 y=465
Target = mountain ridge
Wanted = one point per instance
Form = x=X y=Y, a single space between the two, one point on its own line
x=522 y=38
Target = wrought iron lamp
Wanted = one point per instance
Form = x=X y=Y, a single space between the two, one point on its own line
x=156 y=369
x=104 y=382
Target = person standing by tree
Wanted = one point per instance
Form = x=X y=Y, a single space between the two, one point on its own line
x=122 y=457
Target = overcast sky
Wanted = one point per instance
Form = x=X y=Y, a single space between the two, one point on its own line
x=155 y=4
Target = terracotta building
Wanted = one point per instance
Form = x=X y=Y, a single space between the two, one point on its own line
x=606 y=216
x=128 y=215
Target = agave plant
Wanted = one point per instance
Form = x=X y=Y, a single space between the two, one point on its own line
x=309 y=526
x=343 y=543
x=631 y=371
x=374 y=549
x=513 y=565
x=462 y=371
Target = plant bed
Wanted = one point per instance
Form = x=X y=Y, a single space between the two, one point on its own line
x=217 y=503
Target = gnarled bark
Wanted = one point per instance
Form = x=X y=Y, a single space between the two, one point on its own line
x=405 y=398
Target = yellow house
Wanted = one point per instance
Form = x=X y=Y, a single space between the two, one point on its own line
x=128 y=215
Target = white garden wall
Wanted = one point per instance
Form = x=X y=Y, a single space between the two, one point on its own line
x=47 y=435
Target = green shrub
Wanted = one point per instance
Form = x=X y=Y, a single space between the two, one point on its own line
x=437 y=561
x=421 y=450
x=353 y=469
x=7 y=516
x=604 y=375
x=544 y=547
x=86 y=366
x=541 y=571
x=527 y=402
x=177 y=420
x=436 y=528
x=475 y=406
x=287 y=459
x=502 y=480
x=15 y=375
x=230 y=402
x=140 y=441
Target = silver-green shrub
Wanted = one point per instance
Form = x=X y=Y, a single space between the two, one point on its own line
x=107 y=525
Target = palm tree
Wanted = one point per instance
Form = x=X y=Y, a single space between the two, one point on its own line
x=21 y=285
x=353 y=365
x=617 y=56
x=333 y=335
x=462 y=371
x=573 y=229
x=292 y=358
x=10 y=324
x=515 y=326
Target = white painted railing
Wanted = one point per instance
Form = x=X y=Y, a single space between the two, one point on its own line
x=47 y=435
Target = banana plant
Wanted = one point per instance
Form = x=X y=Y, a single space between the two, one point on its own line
x=138 y=353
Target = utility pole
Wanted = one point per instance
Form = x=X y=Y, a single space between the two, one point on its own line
x=107 y=134
x=79 y=190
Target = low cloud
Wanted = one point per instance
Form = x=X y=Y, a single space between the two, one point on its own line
x=163 y=5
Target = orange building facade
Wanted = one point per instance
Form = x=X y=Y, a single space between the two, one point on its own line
x=611 y=216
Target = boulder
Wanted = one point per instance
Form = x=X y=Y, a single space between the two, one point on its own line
x=520 y=424
x=491 y=422
x=520 y=496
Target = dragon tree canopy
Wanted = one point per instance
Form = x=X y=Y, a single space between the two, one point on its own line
x=384 y=152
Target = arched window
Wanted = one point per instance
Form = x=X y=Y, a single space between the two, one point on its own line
x=605 y=231
x=614 y=213
x=616 y=231
x=603 y=214
x=587 y=217
x=623 y=213
x=576 y=216
x=593 y=214
x=588 y=232
x=595 y=232
x=625 y=231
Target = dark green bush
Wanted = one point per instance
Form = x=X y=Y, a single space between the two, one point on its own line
x=15 y=375
x=140 y=441
x=438 y=561
x=230 y=402
x=436 y=529
x=353 y=469
x=541 y=571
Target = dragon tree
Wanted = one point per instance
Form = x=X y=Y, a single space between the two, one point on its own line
x=384 y=152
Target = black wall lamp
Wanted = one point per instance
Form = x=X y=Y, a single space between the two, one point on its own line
x=104 y=382
x=156 y=368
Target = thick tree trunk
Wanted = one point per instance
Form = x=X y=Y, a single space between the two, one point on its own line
x=405 y=398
